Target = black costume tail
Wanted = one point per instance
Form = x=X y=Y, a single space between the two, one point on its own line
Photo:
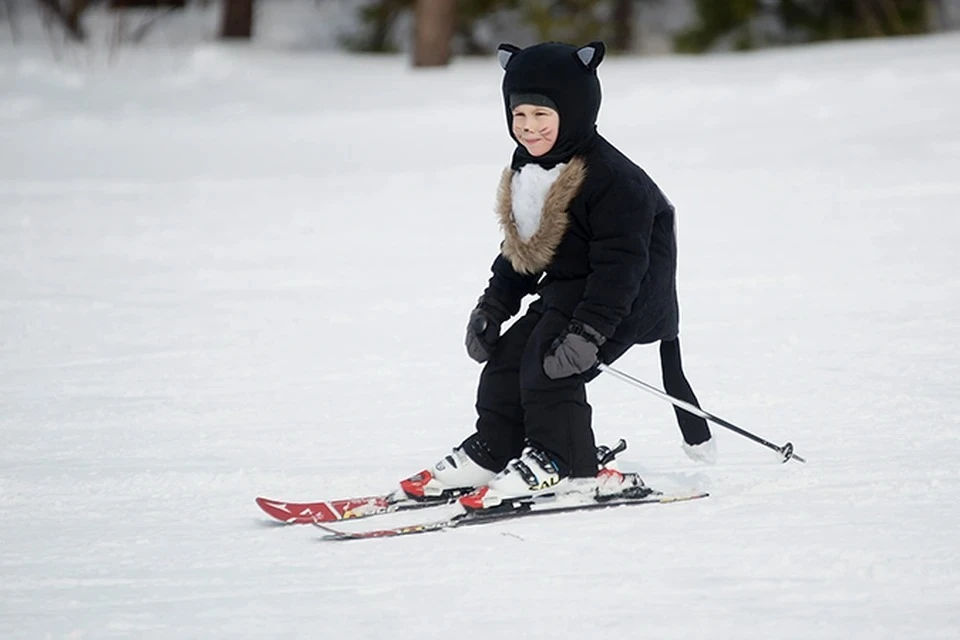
x=694 y=428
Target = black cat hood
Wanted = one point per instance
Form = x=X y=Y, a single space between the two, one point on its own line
x=567 y=76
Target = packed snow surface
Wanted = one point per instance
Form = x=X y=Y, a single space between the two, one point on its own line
x=228 y=272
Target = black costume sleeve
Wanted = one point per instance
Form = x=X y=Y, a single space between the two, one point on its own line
x=621 y=225
x=509 y=287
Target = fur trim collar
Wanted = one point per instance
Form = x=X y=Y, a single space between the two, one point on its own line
x=535 y=255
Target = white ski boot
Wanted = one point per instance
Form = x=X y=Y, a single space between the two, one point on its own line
x=454 y=475
x=533 y=473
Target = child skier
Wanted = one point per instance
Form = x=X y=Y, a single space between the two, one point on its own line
x=592 y=235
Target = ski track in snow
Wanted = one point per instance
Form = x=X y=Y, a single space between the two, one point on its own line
x=234 y=273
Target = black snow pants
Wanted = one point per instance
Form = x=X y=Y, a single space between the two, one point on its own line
x=517 y=402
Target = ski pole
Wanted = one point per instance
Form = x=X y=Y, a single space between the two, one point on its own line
x=786 y=450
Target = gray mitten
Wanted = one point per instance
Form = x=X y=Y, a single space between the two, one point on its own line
x=575 y=351
x=483 y=328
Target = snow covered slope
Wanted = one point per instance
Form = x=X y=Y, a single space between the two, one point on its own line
x=227 y=273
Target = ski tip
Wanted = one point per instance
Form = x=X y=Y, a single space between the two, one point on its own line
x=665 y=499
x=277 y=510
x=331 y=533
x=285 y=512
x=271 y=506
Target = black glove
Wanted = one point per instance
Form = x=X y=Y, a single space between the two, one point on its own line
x=483 y=329
x=575 y=351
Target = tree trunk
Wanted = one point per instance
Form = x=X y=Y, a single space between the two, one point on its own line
x=623 y=25
x=237 y=19
x=868 y=20
x=433 y=32
x=77 y=7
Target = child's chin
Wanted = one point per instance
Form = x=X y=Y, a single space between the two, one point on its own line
x=537 y=150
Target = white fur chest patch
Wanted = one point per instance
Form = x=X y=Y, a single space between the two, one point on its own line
x=530 y=186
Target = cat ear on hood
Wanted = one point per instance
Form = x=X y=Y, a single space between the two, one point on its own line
x=591 y=55
x=504 y=52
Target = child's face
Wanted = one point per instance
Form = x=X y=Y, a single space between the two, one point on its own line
x=536 y=128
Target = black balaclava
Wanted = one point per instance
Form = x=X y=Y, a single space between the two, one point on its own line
x=563 y=75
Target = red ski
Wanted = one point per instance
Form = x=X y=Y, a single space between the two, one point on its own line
x=328 y=510
x=410 y=495
x=511 y=510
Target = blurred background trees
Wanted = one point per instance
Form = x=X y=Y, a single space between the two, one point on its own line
x=748 y=24
x=479 y=25
x=434 y=31
x=69 y=13
x=715 y=24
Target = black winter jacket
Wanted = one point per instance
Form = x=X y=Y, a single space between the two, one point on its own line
x=605 y=252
